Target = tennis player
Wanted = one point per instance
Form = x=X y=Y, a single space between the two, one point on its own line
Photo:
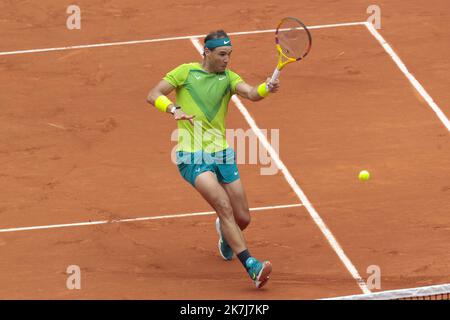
x=204 y=159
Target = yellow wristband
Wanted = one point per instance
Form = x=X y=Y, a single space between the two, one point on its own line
x=262 y=90
x=162 y=102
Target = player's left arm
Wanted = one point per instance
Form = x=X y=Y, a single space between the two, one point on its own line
x=247 y=91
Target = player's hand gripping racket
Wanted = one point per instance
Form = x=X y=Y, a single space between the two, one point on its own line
x=293 y=42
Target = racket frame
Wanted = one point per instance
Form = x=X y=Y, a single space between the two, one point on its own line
x=281 y=64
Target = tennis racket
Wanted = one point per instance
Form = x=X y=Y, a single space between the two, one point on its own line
x=293 y=42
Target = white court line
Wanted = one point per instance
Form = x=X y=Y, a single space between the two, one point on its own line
x=122 y=43
x=91 y=223
x=408 y=75
x=291 y=181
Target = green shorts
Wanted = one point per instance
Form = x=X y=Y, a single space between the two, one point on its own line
x=221 y=163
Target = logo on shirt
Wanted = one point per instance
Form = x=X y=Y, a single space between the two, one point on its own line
x=221 y=78
x=197 y=77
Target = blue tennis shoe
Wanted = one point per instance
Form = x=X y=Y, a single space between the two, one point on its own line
x=258 y=271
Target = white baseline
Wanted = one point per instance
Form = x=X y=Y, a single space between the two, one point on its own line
x=123 y=43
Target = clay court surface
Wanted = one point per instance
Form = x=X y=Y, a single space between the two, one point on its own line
x=78 y=143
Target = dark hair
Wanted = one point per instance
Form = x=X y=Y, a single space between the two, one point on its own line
x=215 y=35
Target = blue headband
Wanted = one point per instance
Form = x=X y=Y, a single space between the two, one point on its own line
x=221 y=42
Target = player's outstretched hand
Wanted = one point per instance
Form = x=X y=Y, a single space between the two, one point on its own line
x=180 y=115
x=273 y=86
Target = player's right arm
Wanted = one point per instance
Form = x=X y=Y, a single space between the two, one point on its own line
x=158 y=97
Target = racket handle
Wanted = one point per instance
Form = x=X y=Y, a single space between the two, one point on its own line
x=275 y=75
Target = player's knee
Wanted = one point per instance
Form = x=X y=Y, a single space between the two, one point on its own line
x=243 y=220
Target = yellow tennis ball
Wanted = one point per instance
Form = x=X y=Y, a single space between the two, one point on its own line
x=364 y=175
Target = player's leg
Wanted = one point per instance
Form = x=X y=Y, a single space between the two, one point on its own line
x=213 y=192
x=191 y=166
x=209 y=187
x=228 y=176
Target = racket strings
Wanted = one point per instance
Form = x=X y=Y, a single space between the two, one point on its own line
x=293 y=40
